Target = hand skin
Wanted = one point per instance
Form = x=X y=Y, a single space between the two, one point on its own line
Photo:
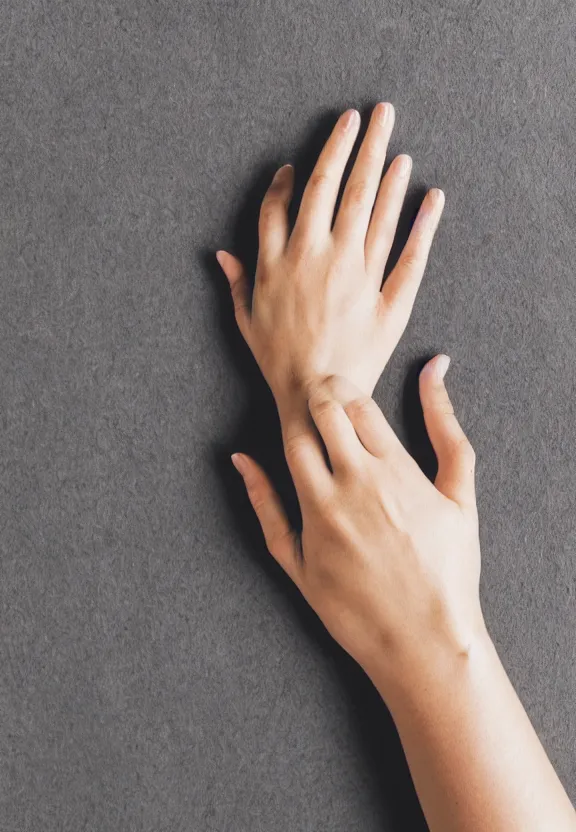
x=391 y=564
x=389 y=561
x=318 y=307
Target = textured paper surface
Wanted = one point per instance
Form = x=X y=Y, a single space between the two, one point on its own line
x=156 y=670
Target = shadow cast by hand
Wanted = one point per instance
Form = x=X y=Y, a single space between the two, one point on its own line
x=258 y=434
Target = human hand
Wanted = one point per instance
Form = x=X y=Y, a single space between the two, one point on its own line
x=318 y=307
x=389 y=561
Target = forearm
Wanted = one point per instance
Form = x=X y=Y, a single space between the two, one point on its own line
x=475 y=758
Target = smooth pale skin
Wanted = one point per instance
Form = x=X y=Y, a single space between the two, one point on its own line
x=389 y=561
x=318 y=307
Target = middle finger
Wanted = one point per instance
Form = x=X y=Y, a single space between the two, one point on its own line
x=360 y=192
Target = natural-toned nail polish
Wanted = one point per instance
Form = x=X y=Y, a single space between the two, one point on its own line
x=350 y=119
x=404 y=165
x=382 y=111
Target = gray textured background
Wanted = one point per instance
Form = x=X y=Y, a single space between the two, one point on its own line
x=156 y=671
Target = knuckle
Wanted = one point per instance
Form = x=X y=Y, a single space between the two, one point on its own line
x=372 y=156
x=319 y=180
x=357 y=192
x=318 y=393
x=324 y=407
x=360 y=407
x=293 y=448
x=410 y=260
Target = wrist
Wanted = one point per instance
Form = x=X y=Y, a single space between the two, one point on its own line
x=406 y=675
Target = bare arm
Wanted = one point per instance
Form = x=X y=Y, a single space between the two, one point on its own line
x=475 y=758
x=390 y=562
x=391 y=565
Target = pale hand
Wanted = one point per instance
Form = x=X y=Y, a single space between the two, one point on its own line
x=391 y=564
x=319 y=307
x=389 y=561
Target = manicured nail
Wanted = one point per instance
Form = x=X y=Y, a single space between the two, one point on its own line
x=351 y=117
x=239 y=463
x=382 y=111
x=442 y=363
x=428 y=210
x=404 y=165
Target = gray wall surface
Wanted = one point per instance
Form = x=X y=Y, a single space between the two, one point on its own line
x=157 y=672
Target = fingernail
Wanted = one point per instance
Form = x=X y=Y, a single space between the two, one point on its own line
x=442 y=364
x=428 y=209
x=220 y=255
x=404 y=165
x=350 y=118
x=238 y=463
x=382 y=111
x=282 y=172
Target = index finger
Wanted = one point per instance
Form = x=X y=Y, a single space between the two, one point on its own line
x=305 y=457
x=350 y=423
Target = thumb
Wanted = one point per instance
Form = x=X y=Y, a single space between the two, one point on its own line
x=281 y=539
x=236 y=275
x=456 y=457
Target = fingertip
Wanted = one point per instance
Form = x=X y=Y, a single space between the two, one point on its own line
x=283 y=174
x=403 y=164
x=288 y=177
x=439 y=197
x=384 y=112
x=334 y=388
x=232 y=267
x=442 y=364
x=350 y=119
x=436 y=368
x=227 y=263
x=239 y=462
